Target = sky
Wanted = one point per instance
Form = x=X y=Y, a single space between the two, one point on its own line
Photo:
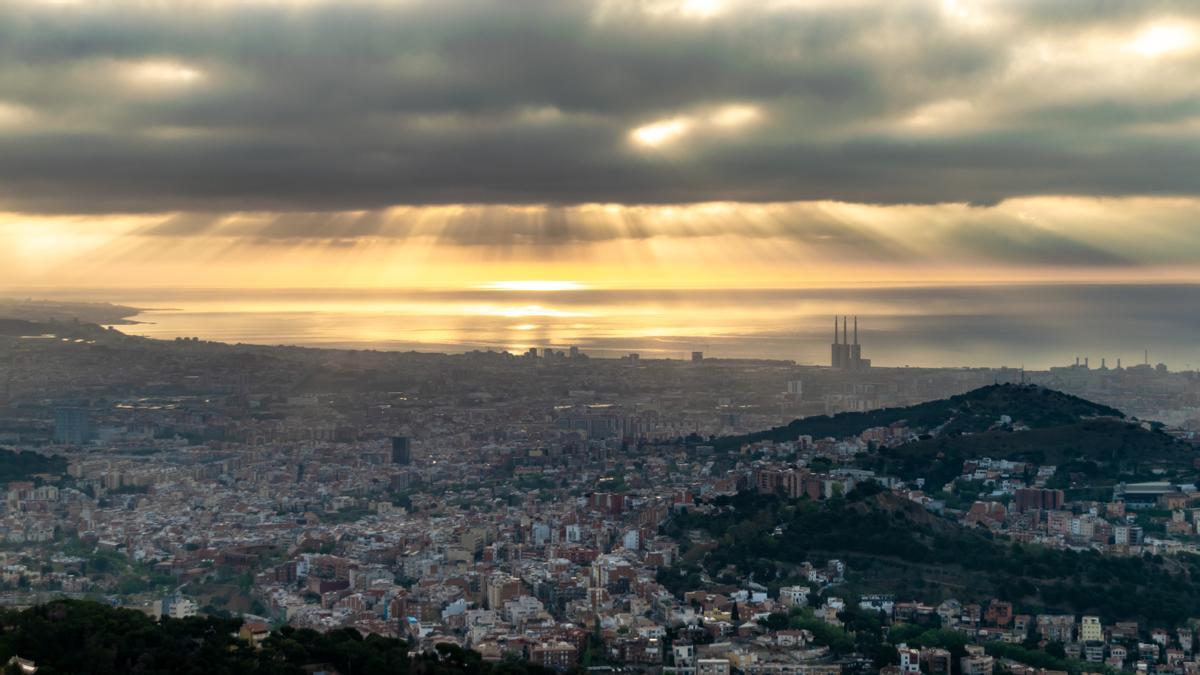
x=597 y=143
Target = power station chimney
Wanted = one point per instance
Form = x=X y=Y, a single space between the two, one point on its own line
x=845 y=338
x=856 y=330
x=837 y=355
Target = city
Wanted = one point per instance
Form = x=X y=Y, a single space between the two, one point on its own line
x=564 y=509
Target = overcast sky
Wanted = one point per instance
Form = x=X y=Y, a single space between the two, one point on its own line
x=1008 y=134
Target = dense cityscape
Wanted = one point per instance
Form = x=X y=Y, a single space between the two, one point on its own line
x=576 y=512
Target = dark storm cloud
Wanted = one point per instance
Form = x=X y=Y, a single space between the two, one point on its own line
x=308 y=107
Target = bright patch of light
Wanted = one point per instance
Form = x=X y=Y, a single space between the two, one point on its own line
x=971 y=14
x=534 y=285
x=956 y=9
x=13 y=115
x=735 y=116
x=940 y=114
x=685 y=9
x=659 y=133
x=701 y=9
x=1163 y=39
x=525 y=326
x=167 y=73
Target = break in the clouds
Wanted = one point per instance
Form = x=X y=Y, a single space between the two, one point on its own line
x=310 y=106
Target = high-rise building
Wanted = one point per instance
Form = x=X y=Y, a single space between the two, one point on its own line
x=72 y=425
x=401 y=451
x=697 y=357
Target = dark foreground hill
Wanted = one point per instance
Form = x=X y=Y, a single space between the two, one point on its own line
x=973 y=412
x=67 y=636
x=1102 y=447
x=893 y=545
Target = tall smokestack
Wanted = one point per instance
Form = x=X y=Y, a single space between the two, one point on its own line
x=835 y=335
x=856 y=330
x=845 y=337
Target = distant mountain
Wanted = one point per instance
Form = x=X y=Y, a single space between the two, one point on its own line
x=973 y=412
x=893 y=545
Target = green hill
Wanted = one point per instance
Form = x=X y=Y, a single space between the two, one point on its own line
x=892 y=545
x=1104 y=446
x=973 y=412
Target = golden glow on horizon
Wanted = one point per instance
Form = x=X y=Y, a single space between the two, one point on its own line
x=522 y=311
x=533 y=285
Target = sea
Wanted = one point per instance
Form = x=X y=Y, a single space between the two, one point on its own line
x=987 y=325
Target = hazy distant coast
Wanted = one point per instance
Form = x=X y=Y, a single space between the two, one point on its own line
x=102 y=313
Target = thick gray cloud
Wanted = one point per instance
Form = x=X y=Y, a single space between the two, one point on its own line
x=114 y=106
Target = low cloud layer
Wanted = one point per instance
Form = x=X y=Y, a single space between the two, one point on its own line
x=310 y=107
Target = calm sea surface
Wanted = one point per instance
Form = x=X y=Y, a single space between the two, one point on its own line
x=1031 y=325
